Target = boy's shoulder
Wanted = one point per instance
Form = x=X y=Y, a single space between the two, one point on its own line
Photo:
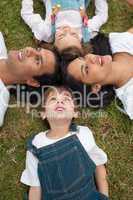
x=86 y=137
x=39 y=139
x=84 y=130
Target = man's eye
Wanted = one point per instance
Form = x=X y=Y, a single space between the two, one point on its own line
x=38 y=49
x=37 y=60
x=74 y=34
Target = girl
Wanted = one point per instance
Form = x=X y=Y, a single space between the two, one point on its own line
x=62 y=162
x=100 y=71
x=66 y=23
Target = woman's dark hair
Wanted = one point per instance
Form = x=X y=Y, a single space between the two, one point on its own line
x=100 y=46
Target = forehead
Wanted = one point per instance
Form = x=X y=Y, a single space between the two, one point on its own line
x=56 y=92
x=74 y=68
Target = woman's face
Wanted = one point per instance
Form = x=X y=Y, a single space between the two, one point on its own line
x=66 y=37
x=59 y=104
x=90 y=69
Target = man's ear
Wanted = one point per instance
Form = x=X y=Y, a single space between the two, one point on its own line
x=96 y=88
x=32 y=82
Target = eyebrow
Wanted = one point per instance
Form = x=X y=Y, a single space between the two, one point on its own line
x=40 y=56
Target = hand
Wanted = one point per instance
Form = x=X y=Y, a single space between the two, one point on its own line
x=130 y=2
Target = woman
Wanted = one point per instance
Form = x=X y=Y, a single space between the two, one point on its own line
x=102 y=71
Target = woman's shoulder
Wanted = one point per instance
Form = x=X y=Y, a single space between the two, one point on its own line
x=121 y=42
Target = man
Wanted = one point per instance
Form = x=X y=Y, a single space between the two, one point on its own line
x=21 y=67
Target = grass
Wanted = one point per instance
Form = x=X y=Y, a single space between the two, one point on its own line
x=113 y=130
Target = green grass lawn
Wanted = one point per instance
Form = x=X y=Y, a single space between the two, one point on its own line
x=113 y=130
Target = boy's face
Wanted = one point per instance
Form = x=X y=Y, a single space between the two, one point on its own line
x=59 y=105
x=66 y=37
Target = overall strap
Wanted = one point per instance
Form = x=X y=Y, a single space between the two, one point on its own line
x=85 y=29
x=31 y=147
x=87 y=2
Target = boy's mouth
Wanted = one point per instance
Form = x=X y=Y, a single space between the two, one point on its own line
x=59 y=108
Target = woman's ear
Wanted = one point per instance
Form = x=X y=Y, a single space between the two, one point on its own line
x=96 y=88
x=33 y=82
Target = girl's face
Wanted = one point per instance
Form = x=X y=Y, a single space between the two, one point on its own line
x=59 y=104
x=90 y=69
x=66 y=37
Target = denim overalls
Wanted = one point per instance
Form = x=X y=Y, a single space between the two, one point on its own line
x=65 y=171
x=71 y=5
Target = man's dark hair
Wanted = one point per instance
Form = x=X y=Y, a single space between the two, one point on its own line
x=44 y=80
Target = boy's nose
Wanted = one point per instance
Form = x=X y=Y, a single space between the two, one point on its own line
x=60 y=101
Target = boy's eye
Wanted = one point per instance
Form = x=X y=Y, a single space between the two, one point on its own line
x=67 y=99
x=52 y=99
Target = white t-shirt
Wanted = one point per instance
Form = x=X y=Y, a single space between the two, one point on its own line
x=30 y=175
x=42 y=28
x=4 y=93
x=123 y=42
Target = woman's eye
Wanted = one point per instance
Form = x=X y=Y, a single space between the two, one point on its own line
x=86 y=69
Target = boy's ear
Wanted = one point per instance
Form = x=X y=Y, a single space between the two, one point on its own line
x=33 y=82
x=96 y=88
x=43 y=116
x=76 y=114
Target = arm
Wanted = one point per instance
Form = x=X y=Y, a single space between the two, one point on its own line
x=35 y=193
x=41 y=28
x=130 y=30
x=101 y=179
x=101 y=15
x=4 y=100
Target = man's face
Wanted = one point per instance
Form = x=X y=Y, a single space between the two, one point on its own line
x=29 y=62
x=66 y=37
